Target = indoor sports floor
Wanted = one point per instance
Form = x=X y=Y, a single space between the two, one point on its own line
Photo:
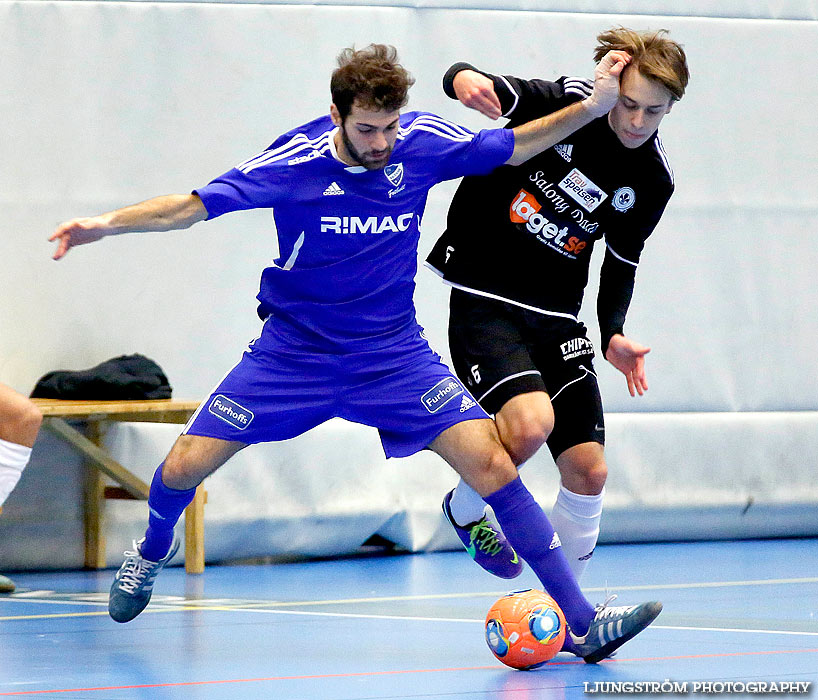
x=406 y=626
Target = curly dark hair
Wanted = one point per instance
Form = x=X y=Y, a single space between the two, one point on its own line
x=655 y=56
x=372 y=77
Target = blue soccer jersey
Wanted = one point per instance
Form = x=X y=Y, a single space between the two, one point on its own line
x=348 y=236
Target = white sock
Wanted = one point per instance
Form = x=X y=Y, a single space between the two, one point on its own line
x=467 y=506
x=576 y=519
x=13 y=459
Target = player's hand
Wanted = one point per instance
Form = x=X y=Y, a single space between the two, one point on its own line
x=77 y=232
x=628 y=357
x=476 y=91
x=606 y=82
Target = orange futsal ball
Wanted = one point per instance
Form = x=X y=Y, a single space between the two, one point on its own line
x=525 y=629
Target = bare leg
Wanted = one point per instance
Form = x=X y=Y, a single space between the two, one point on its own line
x=193 y=458
x=174 y=484
x=523 y=424
x=474 y=450
x=583 y=469
x=20 y=419
x=20 y=422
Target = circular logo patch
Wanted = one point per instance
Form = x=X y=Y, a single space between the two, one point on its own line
x=623 y=199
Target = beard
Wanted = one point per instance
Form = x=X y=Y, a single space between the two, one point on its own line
x=365 y=159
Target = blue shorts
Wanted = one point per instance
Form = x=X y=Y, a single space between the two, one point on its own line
x=281 y=389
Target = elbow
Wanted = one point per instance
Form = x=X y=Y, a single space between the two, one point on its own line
x=517 y=158
x=193 y=211
x=184 y=224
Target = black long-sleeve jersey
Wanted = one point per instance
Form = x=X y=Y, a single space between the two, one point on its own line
x=524 y=234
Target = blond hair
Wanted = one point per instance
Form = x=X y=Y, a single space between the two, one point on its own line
x=654 y=56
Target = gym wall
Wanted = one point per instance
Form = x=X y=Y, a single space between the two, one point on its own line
x=109 y=103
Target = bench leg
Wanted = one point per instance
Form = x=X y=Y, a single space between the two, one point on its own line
x=94 y=510
x=194 y=533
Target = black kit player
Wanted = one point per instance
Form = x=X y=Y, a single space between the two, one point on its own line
x=517 y=250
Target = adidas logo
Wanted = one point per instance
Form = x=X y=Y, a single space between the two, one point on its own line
x=333 y=189
x=555 y=542
x=467 y=403
x=564 y=150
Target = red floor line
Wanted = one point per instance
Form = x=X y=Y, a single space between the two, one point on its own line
x=493 y=667
x=320 y=676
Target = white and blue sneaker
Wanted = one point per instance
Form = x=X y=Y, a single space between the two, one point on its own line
x=133 y=584
x=610 y=629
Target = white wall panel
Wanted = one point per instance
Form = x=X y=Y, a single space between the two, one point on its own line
x=754 y=9
x=106 y=104
x=676 y=476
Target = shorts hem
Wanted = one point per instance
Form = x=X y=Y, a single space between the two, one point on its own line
x=407 y=450
x=500 y=394
x=214 y=436
x=561 y=447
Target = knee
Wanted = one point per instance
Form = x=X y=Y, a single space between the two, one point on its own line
x=179 y=471
x=25 y=424
x=31 y=419
x=193 y=458
x=594 y=477
x=525 y=435
x=495 y=470
x=584 y=476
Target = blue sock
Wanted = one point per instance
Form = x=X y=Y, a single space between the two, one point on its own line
x=527 y=528
x=166 y=507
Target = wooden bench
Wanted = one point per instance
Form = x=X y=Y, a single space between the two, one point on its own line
x=61 y=417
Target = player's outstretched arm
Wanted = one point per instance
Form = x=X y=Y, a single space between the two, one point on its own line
x=165 y=213
x=537 y=135
x=628 y=357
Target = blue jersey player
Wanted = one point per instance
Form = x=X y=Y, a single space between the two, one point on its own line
x=348 y=191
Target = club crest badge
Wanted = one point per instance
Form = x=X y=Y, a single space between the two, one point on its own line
x=623 y=199
x=394 y=173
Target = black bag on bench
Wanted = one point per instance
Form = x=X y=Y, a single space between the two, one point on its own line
x=127 y=377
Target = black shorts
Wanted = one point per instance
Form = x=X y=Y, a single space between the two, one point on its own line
x=500 y=351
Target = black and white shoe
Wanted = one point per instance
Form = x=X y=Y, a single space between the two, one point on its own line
x=611 y=627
